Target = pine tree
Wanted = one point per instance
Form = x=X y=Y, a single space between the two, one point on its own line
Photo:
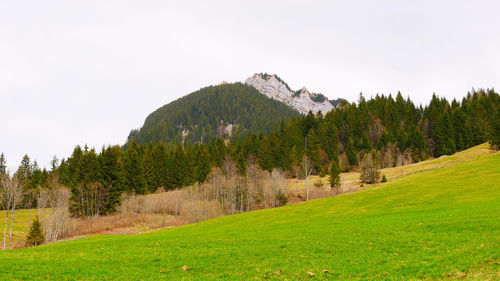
x=331 y=142
x=495 y=135
x=149 y=169
x=312 y=150
x=35 y=236
x=265 y=157
x=351 y=154
x=54 y=164
x=241 y=165
x=112 y=177
x=134 y=169
x=334 y=175
x=3 y=165
x=384 y=179
x=202 y=165
x=25 y=170
x=160 y=162
x=180 y=167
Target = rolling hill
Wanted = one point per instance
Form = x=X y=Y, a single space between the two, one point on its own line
x=440 y=223
x=224 y=110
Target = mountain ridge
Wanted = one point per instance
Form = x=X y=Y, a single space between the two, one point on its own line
x=301 y=100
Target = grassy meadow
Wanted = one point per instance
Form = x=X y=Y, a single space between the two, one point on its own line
x=436 y=223
x=351 y=182
x=19 y=230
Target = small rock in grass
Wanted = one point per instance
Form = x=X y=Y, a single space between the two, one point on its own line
x=310 y=273
x=186 y=268
x=325 y=270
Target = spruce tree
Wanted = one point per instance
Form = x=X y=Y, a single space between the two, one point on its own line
x=149 y=169
x=495 y=135
x=160 y=162
x=241 y=165
x=331 y=142
x=134 y=170
x=180 y=169
x=112 y=177
x=202 y=168
x=265 y=157
x=334 y=175
x=25 y=170
x=35 y=236
x=351 y=154
x=3 y=165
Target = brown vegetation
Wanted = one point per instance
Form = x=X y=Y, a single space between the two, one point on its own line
x=224 y=193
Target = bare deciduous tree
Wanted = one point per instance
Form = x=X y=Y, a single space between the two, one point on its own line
x=52 y=205
x=307 y=167
x=17 y=196
x=10 y=195
x=297 y=170
x=225 y=192
x=369 y=171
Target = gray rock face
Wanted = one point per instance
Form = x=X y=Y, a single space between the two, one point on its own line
x=302 y=100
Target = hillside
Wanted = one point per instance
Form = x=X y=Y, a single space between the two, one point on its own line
x=351 y=182
x=223 y=110
x=433 y=224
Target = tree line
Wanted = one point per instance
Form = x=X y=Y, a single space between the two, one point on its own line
x=382 y=131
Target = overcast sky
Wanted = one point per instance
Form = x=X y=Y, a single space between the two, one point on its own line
x=87 y=72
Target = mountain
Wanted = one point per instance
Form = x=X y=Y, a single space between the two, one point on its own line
x=224 y=110
x=302 y=100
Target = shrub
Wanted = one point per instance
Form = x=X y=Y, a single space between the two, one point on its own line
x=369 y=172
x=35 y=236
x=318 y=184
x=282 y=199
x=384 y=179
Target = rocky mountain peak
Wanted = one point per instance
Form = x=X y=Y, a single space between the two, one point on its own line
x=275 y=88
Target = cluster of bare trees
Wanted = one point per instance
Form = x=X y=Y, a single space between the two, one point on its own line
x=89 y=199
x=225 y=192
x=11 y=192
x=52 y=208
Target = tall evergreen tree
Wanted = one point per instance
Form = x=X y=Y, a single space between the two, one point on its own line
x=134 y=170
x=112 y=177
x=203 y=165
x=351 y=153
x=495 y=135
x=334 y=175
x=3 y=165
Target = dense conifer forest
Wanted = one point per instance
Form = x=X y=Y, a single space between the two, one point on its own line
x=204 y=114
x=392 y=131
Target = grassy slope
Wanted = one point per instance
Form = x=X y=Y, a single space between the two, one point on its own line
x=428 y=224
x=350 y=181
x=21 y=227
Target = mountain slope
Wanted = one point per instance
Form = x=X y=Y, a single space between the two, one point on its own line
x=435 y=224
x=223 y=110
x=302 y=100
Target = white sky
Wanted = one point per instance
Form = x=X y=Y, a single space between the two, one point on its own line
x=87 y=72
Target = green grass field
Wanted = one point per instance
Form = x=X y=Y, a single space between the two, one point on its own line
x=441 y=223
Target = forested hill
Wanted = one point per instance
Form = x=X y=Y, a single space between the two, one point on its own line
x=224 y=110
